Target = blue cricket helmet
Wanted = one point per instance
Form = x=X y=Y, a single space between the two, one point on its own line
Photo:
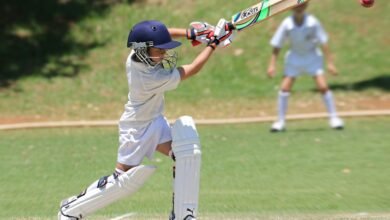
x=153 y=33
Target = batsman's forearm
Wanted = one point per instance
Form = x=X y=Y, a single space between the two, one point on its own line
x=189 y=70
x=177 y=32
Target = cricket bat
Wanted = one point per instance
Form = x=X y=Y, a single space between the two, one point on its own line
x=261 y=12
x=255 y=14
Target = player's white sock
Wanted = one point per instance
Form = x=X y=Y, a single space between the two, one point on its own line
x=282 y=105
x=329 y=103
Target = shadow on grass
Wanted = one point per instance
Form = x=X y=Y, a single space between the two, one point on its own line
x=35 y=37
x=380 y=82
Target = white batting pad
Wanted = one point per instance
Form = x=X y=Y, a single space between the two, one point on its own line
x=98 y=197
x=187 y=150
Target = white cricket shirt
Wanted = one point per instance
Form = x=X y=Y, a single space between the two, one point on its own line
x=146 y=91
x=303 y=39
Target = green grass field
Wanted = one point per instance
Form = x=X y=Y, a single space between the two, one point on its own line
x=233 y=83
x=247 y=172
x=65 y=61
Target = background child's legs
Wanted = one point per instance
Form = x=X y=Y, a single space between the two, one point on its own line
x=335 y=121
x=326 y=94
x=284 y=93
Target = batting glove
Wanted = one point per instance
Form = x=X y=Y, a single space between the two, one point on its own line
x=224 y=33
x=200 y=32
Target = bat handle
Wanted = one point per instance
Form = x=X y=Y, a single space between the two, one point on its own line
x=230 y=26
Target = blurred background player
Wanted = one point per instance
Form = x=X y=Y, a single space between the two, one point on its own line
x=143 y=129
x=306 y=37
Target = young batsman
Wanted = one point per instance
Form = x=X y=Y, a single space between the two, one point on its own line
x=308 y=46
x=143 y=129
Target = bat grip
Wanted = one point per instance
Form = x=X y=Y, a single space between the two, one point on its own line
x=230 y=26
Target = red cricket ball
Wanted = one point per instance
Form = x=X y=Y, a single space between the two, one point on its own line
x=367 y=3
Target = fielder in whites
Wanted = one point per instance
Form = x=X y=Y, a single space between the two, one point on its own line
x=308 y=46
x=151 y=71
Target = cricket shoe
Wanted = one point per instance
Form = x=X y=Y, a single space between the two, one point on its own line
x=63 y=205
x=336 y=123
x=63 y=217
x=188 y=217
x=172 y=215
x=278 y=126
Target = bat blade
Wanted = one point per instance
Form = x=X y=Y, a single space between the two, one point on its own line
x=261 y=12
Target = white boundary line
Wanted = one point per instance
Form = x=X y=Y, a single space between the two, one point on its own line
x=124 y=216
x=110 y=123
